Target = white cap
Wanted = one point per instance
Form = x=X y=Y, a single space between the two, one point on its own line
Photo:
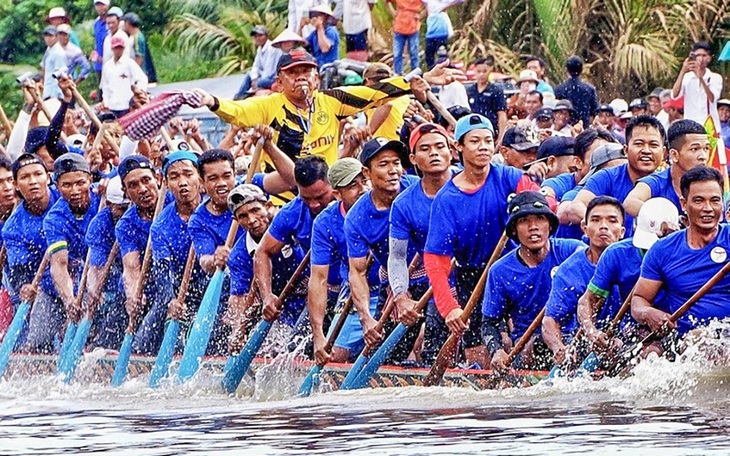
x=619 y=106
x=103 y=2
x=76 y=140
x=114 y=192
x=56 y=12
x=723 y=101
x=652 y=215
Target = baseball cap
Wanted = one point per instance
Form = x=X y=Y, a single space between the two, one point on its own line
x=377 y=69
x=259 y=30
x=245 y=194
x=103 y=2
x=64 y=28
x=656 y=93
x=68 y=163
x=676 y=103
x=723 y=101
x=521 y=138
x=376 y=145
x=424 y=129
x=56 y=12
x=652 y=215
x=118 y=41
x=471 y=122
x=343 y=172
x=131 y=163
x=544 y=113
x=605 y=108
x=178 y=155
x=602 y=155
x=50 y=30
x=75 y=140
x=294 y=58
x=25 y=160
x=115 y=11
x=114 y=192
x=619 y=106
x=556 y=146
x=638 y=103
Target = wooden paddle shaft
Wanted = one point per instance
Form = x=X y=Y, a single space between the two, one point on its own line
x=44 y=109
x=291 y=284
x=436 y=103
x=699 y=294
x=255 y=160
x=41 y=269
x=95 y=119
x=625 y=306
x=525 y=337
x=187 y=273
x=147 y=259
x=168 y=140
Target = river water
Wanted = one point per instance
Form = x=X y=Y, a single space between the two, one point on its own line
x=665 y=408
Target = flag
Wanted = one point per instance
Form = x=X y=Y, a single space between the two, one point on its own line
x=718 y=153
x=145 y=123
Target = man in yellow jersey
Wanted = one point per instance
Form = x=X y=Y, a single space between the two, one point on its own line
x=306 y=120
x=386 y=120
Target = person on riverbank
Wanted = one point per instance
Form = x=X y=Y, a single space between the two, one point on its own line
x=700 y=86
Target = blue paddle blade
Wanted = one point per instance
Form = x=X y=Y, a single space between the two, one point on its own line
x=308 y=384
x=377 y=360
x=725 y=53
x=200 y=333
x=68 y=339
x=120 y=370
x=590 y=364
x=354 y=372
x=164 y=356
x=11 y=337
x=556 y=371
x=239 y=367
x=77 y=347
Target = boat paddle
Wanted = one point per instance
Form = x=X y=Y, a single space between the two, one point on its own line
x=362 y=359
x=630 y=355
x=125 y=352
x=199 y=337
x=172 y=327
x=448 y=351
x=305 y=389
x=20 y=318
x=239 y=366
x=386 y=348
x=83 y=329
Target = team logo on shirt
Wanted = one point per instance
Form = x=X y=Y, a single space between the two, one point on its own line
x=718 y=255
x=322 y=118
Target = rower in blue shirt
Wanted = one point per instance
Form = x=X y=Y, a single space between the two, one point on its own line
x=111 y=318
x=23 y=234
x=681 y=263
x=409 y=224
x=618 y=270
x=689 y=146
x=604 y=225
x=645 y=150
x=518 y=285
x=366 y=230
x=254 y=212
x=65 y=227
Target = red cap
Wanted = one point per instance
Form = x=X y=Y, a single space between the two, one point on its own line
x=118 y=41
x=676 y=103
x=425 y=129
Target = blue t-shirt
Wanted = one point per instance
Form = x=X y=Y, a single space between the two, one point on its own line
x=661 y=186
x=569 y=283
x=283 y=265
x=613 y=182
x=561 y=184
x=366 y=228
x=25 y=243
x=409 y=217
x=573 y=230
x=293 y=224
x=519 y=292
x=683 y=270
x=619 y=266
x=100 y=32
x=132 y=232
x=100 y=237
x=325 y=57
x=209 y=231
x=66 y=230
x=467 y=226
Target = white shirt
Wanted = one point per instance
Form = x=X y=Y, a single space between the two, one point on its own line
x=696 y=105
x=116 y=82
x=108 y=45
x=299 y=9
x=356 y=16
x=264 y=65
x=454 y=94
x=663 y=117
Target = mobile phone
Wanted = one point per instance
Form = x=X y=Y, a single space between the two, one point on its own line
x=692 y=56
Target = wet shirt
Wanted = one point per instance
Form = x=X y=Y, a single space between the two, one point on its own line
x=209 y=231
x=293 y=224
x=661 y=186
x=100 y=237
x=367 y=228
x=561 y=184
x=25 y=243
x=569 y=283
x=613 y=182
x=65 y=230
x=519 y=292
x=683 y=270
x=619 y=266
x=467 y=226
x=132 y=232
x=410 y=215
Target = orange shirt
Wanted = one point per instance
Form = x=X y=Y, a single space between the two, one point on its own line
x=407 y=17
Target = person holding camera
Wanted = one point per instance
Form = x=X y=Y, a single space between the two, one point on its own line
x=700 y=86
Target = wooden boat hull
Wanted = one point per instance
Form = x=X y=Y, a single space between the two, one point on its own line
x=102 y=369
